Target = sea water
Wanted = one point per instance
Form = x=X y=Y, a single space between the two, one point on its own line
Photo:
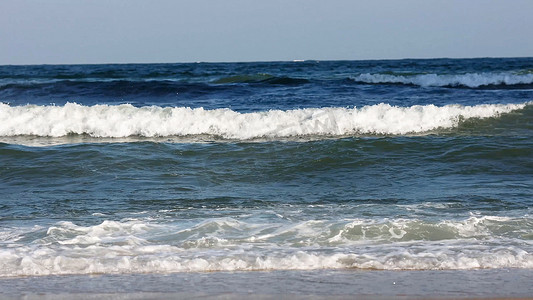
x=163 y=169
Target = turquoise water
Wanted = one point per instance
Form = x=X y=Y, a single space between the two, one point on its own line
x=171 y=168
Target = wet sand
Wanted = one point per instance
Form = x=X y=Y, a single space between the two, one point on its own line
x=321 y=284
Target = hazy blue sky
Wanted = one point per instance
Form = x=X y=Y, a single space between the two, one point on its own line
x=103 y=31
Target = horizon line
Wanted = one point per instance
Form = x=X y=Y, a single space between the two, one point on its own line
x=266 y=61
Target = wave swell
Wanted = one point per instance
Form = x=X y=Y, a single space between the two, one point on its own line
x=468 y=80
x=261 y=78
x=154 y=121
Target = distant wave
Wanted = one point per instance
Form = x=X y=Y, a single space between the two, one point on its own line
x=468 y=80
x=260 y=78
x=94 y=87
x=154 y=121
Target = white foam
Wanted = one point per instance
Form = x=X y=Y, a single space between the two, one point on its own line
x=226 y=244
x=166 y=259
x=126 y=120
x=477 y=226
x=472 y=80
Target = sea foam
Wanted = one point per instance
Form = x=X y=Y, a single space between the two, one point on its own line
x=168 y=259
x=226 y=244
x=126 y=120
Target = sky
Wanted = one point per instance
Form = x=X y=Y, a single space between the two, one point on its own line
x=134 y=31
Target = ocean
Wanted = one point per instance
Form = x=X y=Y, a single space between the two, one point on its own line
x=350 y=173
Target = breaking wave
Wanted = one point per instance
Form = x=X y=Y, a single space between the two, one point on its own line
x=468 y=80
x=226 y=244
x=154 y=121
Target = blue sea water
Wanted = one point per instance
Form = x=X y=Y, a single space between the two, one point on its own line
x=171 y=168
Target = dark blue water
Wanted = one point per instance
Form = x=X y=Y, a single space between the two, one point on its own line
x=160 y=168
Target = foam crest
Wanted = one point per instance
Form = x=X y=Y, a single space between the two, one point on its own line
x=408 y=230
x=67 y=233
x=167 y=259
x=126 y=120
x=471 y=80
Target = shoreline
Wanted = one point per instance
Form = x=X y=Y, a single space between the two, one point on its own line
x=316 y=284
